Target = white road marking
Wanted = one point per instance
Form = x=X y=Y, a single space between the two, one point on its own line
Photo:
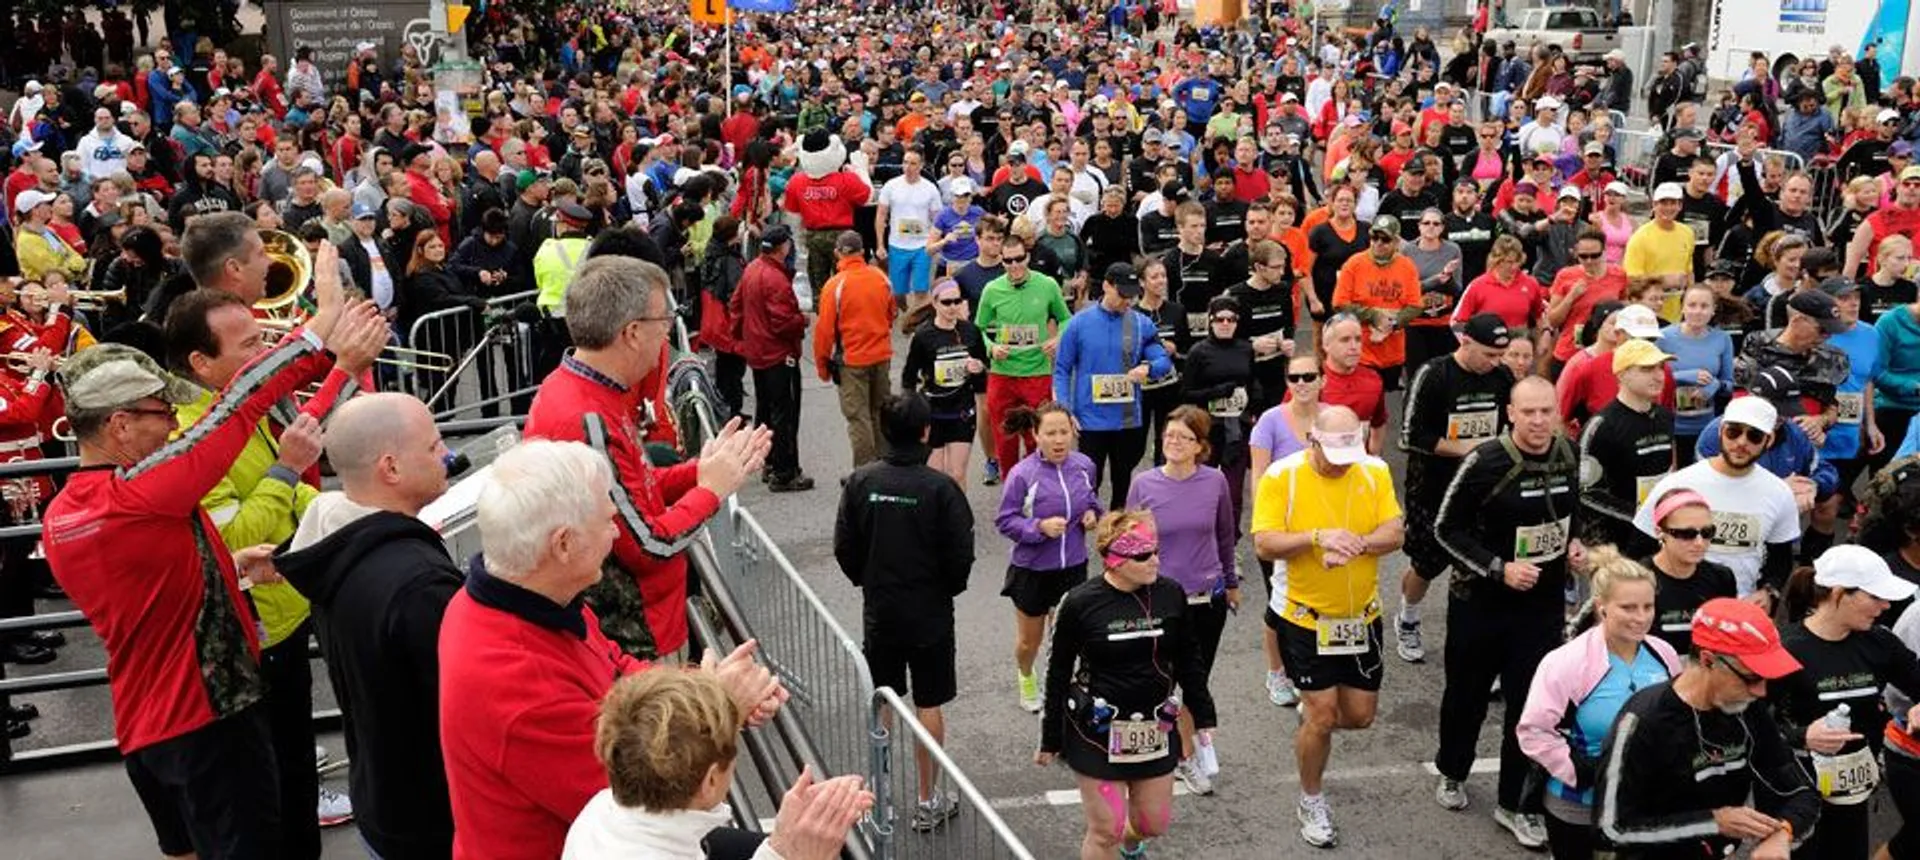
x=1071 y=797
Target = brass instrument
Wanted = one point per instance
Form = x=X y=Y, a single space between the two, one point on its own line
x=17 y=362
x=86 y=300
x=392 y=356
x=289 y=271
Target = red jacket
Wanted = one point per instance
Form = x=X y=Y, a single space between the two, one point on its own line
x=180 y=654
x=768 y=325
x=826 y=203
x=426 y=195
x=520 y=692
x=266 y=88
x=660 y=510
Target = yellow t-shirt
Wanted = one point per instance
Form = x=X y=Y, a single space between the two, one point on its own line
x=1653 y=251
x=1293 y=497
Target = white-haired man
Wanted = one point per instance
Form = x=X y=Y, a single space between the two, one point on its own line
x=523 y=664
x=380 y=581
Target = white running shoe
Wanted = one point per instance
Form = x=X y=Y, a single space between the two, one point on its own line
x=1030 y=693
x=1206 y=760
x=1197 y=780
x=1451 y=794
x=1316 y=824
x=928 y=815
x=1280 y=691
x=1409 y=644
x=335 y=808
x=1528 y=830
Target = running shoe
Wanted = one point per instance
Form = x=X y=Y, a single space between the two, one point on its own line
x=1137 y=852
x=1280 y=691
x=990 y=472
x=335 y=808
x=930 y=814
x=1316 y=823
x=1030 y=693
x=1409 y=645
x=1196 y=779
x=1451 y=793
x=1528 y=830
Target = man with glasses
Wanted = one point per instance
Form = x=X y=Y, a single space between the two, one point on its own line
x=182 y=641
x=1900 y=219
x=1023 y=311
x=1577 y=289
x=1326 y=516
x=1684 y=756
x=1455 y=402
x=618 y=319
x=1755 y=516
x=1268 y=304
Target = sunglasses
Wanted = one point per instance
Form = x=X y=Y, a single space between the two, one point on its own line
x=1594 y=256
x=952 y=302
x=1020 y=259
x=1232 y=318
x=1142 y=556
x=1379 y=238
x=1753 y=435
x=1303 y=377
x=1705 y=533
x=1748 y=677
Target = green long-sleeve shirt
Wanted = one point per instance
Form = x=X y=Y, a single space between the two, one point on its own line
x=1017 y=317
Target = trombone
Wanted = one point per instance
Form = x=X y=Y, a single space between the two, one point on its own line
x=391 y=356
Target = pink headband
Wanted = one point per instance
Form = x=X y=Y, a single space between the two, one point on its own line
x=1675 y=500
x=1134 y=541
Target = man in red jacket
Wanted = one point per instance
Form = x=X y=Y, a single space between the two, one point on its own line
x=523 y=665
x=594 y=397
x=422 y=190
x=771 y=327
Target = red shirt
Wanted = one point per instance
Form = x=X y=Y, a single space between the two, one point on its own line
x=1361 y=391
x=267 y=89
x=1519 y=303
x=1588 y=384
x=1609 y=287
x=1250 y=185
x=520 y=691
x=660 y=510
x=182 y=645
x=826 y=203
x=1891 y=221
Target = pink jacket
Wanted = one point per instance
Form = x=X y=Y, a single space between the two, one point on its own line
x=1565 y=677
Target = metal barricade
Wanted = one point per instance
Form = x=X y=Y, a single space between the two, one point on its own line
x=1634 y=155
x=905 y=754
x=486 y=359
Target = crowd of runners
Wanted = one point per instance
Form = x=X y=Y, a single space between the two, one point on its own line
x=1186 y=287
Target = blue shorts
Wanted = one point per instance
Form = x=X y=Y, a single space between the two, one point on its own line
x=910 y=269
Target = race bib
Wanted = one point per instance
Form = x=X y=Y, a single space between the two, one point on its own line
x=1847 y=779
x=1851 y=406
x=949 y=372
x=1691 y=400
x=1231 y=406
x=910 y=227
x=1473 y=426
x=1112 y=388
x=1197 y=324
x=1020 y=335
x=1644 y=485
x=1131 y=741
x=1336 y=637
x=1735 y=532
x=1700 y=225
x=1541 y=543
x=1201 y=599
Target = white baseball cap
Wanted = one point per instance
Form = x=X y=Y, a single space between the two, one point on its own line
x=1342 y=449
x=1753 y=412
x=1668 y=191
x=961 y=185
x=1618 y=187
x=1855 y=566
x=1637 y=321
x=30 y=198
x=1887 y=115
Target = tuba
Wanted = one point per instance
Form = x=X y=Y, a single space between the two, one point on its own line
x=288 y=273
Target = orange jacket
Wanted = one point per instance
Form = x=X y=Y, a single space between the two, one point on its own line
x=863 y=316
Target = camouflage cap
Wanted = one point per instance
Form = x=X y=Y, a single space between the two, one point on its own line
x=112 y=375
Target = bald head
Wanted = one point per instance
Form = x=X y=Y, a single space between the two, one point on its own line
x=369 y=427
x=1533 y=388
x=1336 y=419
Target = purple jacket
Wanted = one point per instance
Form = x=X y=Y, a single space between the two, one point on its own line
x=1037 y=489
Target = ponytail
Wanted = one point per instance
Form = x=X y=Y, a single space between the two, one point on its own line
x=1803 y=595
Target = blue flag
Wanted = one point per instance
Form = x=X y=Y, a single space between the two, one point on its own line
x=762 y=5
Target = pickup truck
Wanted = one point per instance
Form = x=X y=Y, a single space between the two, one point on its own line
x=1580 y=32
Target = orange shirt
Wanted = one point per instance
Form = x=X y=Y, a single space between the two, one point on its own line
x=1387 y=289
x=1295 y=241
x=1314 y=219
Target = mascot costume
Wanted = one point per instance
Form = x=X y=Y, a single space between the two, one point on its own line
x=825 y=194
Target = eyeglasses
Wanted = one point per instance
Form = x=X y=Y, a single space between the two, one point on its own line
x=1590 y=256
x=154 y=412
x=1745 y=676
x=952 y=302
x=665 y=318
x=1753 y=435
x=1381 y=238
x=1020 y=259
x=1145 y=555
x=1230 y=318
x=1303 y=378
x=1705 y=533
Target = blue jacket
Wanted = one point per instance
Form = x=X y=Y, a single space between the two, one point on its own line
x=1090 y=346
x=1792 y=454
x=1896 y=379
x=1037 y=489
x=1805 y=134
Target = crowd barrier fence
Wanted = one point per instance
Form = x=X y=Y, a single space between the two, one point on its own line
x=488 y=359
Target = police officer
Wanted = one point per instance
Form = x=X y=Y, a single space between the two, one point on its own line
x=1456 y=402
x=1506 y=523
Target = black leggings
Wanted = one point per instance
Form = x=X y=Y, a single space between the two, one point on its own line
x=1569 y=841
x=1114 y=453
x=1489 y=639
x=1903 y=785
x=1841 y=835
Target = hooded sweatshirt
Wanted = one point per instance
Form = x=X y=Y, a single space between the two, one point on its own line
x=380 y=583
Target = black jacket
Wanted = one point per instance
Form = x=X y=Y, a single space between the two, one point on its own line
x=475 y=256
x=380 y=586
x=430 y=290
x=904 y=535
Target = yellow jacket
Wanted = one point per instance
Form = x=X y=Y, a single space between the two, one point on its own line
x=553 y=268
x=40 y=253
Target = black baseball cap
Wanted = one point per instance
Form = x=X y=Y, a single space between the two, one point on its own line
x=774 y=236
x=1488 y=330
x=1821 y=307
x=1124 y=279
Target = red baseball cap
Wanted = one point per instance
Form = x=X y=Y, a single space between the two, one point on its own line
x=1736 y=628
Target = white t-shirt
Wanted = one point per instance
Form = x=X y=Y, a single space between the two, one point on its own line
x=381 y=290
x=1749 y=512
x=910 y=210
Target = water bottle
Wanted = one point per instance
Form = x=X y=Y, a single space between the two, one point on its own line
x=1102 y=716
x=1169 y=713
x=1839 y=719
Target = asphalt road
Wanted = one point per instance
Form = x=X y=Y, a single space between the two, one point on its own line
x=1379 y=783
